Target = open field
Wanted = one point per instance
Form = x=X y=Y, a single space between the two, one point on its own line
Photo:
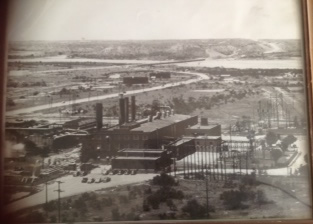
x=128 y=200
x=238 y=98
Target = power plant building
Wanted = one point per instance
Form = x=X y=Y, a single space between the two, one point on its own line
x=152 y=143
x=142 y=159
x=150 y=134
x=204 y=130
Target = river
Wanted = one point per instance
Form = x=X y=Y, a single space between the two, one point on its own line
x=291 y=63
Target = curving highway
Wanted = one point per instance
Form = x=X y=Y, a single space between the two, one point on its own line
x=27 y=110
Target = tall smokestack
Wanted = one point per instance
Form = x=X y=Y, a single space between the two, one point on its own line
x=126 y=109
x=122 y=110
x=99 y=114
x=133 y=108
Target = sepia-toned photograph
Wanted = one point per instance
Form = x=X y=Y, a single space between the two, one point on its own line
x=138 y=110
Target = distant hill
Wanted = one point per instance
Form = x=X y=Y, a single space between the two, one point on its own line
x=161 y=49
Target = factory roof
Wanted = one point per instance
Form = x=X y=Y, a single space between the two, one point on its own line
x=207 y=137
x=203 y=127
x=81 y=121
x=135 y=158
x=143 y=150
x=161 y=123
x=182 y=141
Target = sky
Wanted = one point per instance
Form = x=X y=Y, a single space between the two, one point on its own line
x=153 y=19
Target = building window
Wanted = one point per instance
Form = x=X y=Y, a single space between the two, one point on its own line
x=136 y=137
x=145 y=137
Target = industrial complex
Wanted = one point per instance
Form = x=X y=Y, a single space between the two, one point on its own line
x=148 y=140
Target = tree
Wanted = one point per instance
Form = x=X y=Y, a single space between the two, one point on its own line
x=194 y=209
x=288 y=141
x=276 y=154
x=271 y=138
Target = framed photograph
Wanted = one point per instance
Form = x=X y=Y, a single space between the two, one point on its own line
x=156 y=111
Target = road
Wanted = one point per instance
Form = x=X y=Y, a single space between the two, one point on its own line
x=73 y=186
x=201 y=76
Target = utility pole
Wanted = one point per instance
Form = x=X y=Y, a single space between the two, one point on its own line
x=247 y=162
x=268 y=113
x=207 y=196
x=59 y=201
x=46 y=198
x=277 y=110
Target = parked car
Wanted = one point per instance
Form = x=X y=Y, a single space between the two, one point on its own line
x=107 y=172
x=133 y=172
x=91 y=180
x=108 y=179
x=120 y=172
x=127 y=172
x=84 y=180
x=114 y=172
x=99 y=180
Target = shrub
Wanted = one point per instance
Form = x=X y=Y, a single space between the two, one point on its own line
x=233 y=199
x=249 y=179
x=107 y=201
x=194 y=209
x=145 y=206
x=50 y=206
x=10 y=102
x=261 y=198
x=163 y=180
x=115 y=214
x=36 y=217
x=154 y=200
x=123 y=199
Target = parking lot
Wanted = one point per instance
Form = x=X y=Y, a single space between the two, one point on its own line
x=73 y=185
